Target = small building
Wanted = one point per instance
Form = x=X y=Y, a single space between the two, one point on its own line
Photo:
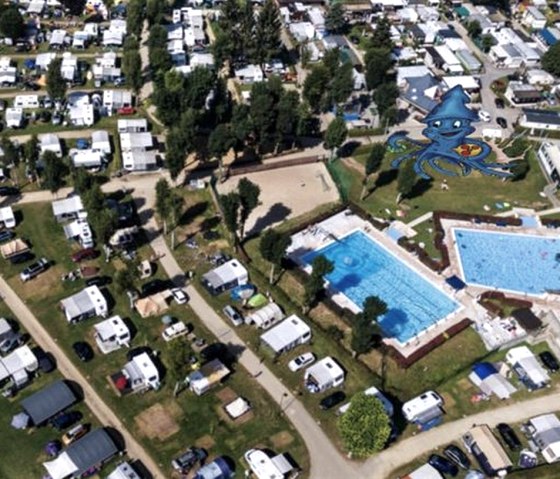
x=425 y=471
x=225 y=277
x=209 y=375
x=112 y=38
x=424 y=410
x=443 y=58
x=7 y=218
x=81 y=115
x=265 y=467
x=85 y=304
x=540 y=119
x=469 y=83
x=81 y=457
x=50 y=142
x=485 y=376
x=139 y=160
x=87 y=158
x=14 y=117
x=527 y=368
x=18 y=366
x=520 y=93
x=544 y=431
x=43 y=60
x=484 y=446
x=48 y=402
x=112 y=334
x=323 y=375
x=549 y=158
x=136 y=141
x=115 y=99
x=249 y=74
x=539 y=77
x=100 y=142
x=68 y=209
x=533 y=18
x=266 y=316
x=26 y=101
x=290 y=333
x=141 y=374
x=469 y=61
x=80 y=231
x=132 y=125
x=124 y=471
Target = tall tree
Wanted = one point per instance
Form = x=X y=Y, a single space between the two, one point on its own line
x=220 y=142
x=179 y=353
x=342 y=83
x=373 y=308
x=155 y=11
x=315 y=85
x=550 y=61
x=104 y=224
x=335 y=135
x=267 y=32
x=264 y=98
x=385 y=96
x=31 y=154
x=56 y=84
x=248 y=27
x=53 y=171
x=249 y=194
x=406 y=180
x=364 y=328
x=132 y=69
x=373 y=163
x=381 y=37
x=174 y=152
x=377 y=64
x=11 y=23
x=135 y=16
x=163 y=205
x=288 y=116
x=273 y=246
x=365 y=428
x=474 y=29
x=230 y=209
x=315 y=283
x=334 y=20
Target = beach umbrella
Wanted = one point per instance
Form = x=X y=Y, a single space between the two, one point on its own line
x=20 y=421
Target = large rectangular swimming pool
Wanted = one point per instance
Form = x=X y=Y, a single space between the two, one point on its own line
x=509 y=261
x=365 y=268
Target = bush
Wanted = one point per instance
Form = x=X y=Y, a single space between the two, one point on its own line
x=335 y=333
x=517 y=148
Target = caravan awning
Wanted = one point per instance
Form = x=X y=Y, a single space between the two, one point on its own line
x=61 y=467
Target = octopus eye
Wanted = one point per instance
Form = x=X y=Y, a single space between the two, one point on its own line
x=437 y=123
x=457 y=124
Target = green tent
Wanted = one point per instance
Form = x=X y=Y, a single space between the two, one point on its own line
x=258 y=300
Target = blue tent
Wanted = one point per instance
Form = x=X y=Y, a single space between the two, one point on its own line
x=484 y=370
x=219 y=468
x=243 y=291
x=455 y=282
x=29 y=63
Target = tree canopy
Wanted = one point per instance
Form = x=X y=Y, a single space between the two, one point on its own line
x=56 y=84
x=334 y=19
x=365 y=428
x=335 y=135
x=11 y=23
x=54 y=171
x=406 y=179
x=377 y=64
x=315 y=283
x=249 y=194
x=273 y=246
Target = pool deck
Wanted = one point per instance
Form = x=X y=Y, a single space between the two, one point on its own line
x=344 y=223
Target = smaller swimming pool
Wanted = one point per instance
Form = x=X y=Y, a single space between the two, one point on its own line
x=509 y=261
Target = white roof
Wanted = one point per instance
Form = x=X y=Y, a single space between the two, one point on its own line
x=61 y=467
x=228 y=272
x=523 y=356
x=67 y=206
x=286 y=333
x=119 y=97
x=468 y=82
x=269 y=312
x=123 y=471
x=87 y=158
x=372 y=391
x=21 y=359
x=265 y=467
x=493 y=384
x=447 y=55
x=421 y=404
x=145 y=365
x=424 y=472
x=49 y=139
x=138 y=159
x=324 y=371
x=411 y=72
x=110 y=327
x=85 y=301
x=7 y=216
x=237 y=407
x=57 y=37
x=130 y=141
x=135 y=123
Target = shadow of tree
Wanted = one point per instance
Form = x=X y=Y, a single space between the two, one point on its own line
x=277 y=212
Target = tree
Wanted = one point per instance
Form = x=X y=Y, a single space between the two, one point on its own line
x=135 y=16
x=474 y=29
x=365 y=428
x=342 y=83
x=263 y=109
x=273 y=246
x=174 y=152
x=11 y=23
x=230 y=208
x=163 y=206
x=267 y=33
x=157 y=37
x=220 y=142
x=385 y=96
x=249 y=194
x=74 y=7
x=248 y=27
x=315 y=85
x=335 y=135
x=132 y=69
x=381 y=37
x=82 y=180
x=373 y=308
x=56 y=84
x=321 y=266
x=363 y=335
x=53 y=171
x=487 y=42
x=104 y=224
x=31 y=153
x=550 y=61
x=334 y=20
x=124 y=278
x=11 y=154
x=373 y=163
x=406 y=180
x=519 y=169
x=179 y=353
x=155 y=10
x=287 y=116
x=378 y=62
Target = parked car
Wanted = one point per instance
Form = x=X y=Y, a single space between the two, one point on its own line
x=185 y=462
x=509 y=436
x=10 y=341
x=233 y=315
x=83 y=351
x=6 y=236
x=443 y=465
x=499 y=103
x=99 y=281
x=175 y=330
x=501 y=121
x=65 y=419
x=332 y=400
x=46 y=360
x=126 y=110
x=301 y=361
x=34 y=269
x=74 y=434
x=549 y=360
x=9 y=191
x=84 y=254
x=455 y=454
x=154 y=286
x=484 y=116
x=22 y=258
x=56 y=119
x=179 y=295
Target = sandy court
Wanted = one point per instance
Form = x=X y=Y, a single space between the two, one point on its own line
x=157 y=422
x=286 y=193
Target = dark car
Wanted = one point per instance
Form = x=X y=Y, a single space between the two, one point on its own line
x=83 y=351
x=443 y=465
x=332 y=400
x=46 y=361
x=8 y=191
x=499 y=103
x=99 y=281
x=185 y=462
x=509 y=436
x=549 y=360
x=455 y=454
x=137 y=351
x=66 y=419
x=6 y=235
x=22 y=258
x=83 y=254
x=154 y=286
x=501 y=121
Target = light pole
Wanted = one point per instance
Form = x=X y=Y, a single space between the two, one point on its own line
x=284 y=395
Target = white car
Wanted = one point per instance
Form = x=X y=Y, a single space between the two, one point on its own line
x=174 y=331
x=301 y=361
x=179 y=295
x=484 y=116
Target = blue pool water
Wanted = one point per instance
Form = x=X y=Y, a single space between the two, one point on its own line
x=509 y=261
x=364 y=268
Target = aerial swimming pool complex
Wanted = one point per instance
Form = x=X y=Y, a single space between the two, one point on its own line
x=513 y=262
x=365 y=268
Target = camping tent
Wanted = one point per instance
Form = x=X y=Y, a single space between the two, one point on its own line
x=486 y=377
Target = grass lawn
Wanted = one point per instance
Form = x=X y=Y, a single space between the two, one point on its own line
x=430 y=197
x=199 y=419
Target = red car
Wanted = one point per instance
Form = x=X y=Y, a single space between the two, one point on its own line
x=83 y=254
x=126 y=110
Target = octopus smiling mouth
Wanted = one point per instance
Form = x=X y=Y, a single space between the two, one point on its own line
x=450 y=133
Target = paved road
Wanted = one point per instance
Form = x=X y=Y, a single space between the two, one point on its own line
x=105 y=415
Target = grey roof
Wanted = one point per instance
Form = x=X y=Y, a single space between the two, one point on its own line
x=414 y=94
x=78 y=304
x=94 y=448
x=47 y=402
x=545 y=438
x=542 y=116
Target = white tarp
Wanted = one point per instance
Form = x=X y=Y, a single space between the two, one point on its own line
x=237 y=408
x=61 y=467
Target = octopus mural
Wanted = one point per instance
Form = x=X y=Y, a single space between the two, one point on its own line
x=449 y=125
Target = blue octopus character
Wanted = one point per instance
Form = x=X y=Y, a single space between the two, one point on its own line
x=449 y=125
